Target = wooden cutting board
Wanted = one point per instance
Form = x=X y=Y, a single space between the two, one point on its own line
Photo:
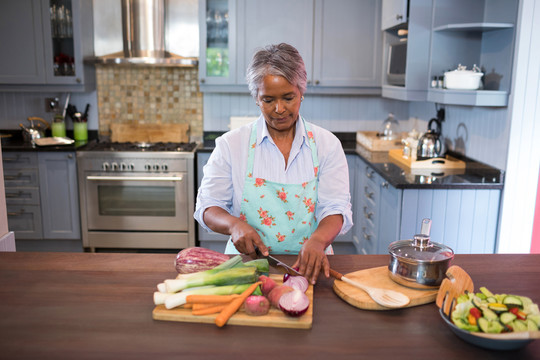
x=149 y=133
x=378 y=277
x=396 y=155
x=274 y=318
x=372 y=142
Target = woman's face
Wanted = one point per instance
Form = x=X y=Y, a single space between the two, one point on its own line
x=279 y=101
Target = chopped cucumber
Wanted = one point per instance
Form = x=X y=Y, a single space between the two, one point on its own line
x=491 y=299
x=519 y=325
x=507 y=318
x=535 y=318
x=498 y=307
x=513 y=301
x=531 y=325
x=489 y=314
x=486 y=292
x=483 y=324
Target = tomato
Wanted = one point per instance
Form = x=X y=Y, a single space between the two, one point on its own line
x=475 y=312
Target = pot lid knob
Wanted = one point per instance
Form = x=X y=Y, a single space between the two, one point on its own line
x=421 y=241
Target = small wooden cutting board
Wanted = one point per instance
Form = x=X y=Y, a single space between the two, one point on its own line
x=378 y=277
x=274 y=318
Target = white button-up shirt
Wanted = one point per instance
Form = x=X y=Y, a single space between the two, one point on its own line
x=225 y=172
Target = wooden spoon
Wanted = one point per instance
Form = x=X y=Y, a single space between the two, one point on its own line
x=383 y=297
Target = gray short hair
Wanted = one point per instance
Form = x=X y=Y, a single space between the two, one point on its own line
x=279 y=60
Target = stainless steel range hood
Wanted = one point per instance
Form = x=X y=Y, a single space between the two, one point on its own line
x=144 y=36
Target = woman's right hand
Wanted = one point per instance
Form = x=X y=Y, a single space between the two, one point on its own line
x=245 y=238
x=243 y=235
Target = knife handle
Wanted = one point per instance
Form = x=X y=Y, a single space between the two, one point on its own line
x=336 y=274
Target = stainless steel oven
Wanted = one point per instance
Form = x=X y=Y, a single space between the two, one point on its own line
x=136 y=199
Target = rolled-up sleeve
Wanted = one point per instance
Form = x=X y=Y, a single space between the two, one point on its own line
x=334 y=194
x=216 y=187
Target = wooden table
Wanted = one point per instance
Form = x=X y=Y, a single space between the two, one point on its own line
x=98 y=306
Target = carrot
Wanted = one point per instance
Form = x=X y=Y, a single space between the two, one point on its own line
x=201 y=306
x=210 y=299
x=187 y=306
x=234 y=305
x=209 y=310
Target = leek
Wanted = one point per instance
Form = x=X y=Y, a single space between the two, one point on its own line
x=231 y=263
x=240 y=275
x=178 y=299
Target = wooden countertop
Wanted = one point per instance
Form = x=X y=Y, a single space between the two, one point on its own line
x=98 y=306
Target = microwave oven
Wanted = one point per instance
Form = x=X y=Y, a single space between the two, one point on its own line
x=397 y=62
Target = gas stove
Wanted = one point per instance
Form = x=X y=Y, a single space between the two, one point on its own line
x=136 y=147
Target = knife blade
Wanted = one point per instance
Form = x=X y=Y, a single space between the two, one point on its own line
x=275 y=263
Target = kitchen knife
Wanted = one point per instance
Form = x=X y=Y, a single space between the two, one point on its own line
x=275 y=263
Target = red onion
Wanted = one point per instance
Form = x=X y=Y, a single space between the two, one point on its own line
x=286 y=276
x=294 y=303
x=195 y=259
x=297 y=282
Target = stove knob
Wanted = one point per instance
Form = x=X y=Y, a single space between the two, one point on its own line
x=123 y=166
x=147 y=167
x=131 y=167
x=164 y=167
x=105 y=166
x=114 y=166
x=156 y=167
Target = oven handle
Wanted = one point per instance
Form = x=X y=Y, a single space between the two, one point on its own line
x=135 y=178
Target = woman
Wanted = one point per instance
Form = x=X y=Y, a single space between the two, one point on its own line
x=279 y=183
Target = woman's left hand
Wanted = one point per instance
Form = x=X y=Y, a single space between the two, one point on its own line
x=311 y=259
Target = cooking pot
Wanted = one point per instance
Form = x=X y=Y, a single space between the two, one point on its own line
x=463 y=79
x=419 y=263
x=430 y=144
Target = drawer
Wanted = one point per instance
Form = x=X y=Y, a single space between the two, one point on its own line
x=25 y=221
x=21 y=177
x=19 y=160
x=22 y=196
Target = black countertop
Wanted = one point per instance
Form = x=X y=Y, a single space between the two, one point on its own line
x=476 y=175
x=12 y=140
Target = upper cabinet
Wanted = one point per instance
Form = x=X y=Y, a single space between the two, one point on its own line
x=483 y=35
x=394 y=13
x=440 y=35
x=45 y=42
x=339 y=40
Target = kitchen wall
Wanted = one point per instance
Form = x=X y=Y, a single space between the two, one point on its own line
x=478 y=132
x=148 y=95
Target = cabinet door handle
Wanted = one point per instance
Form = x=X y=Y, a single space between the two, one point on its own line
x=368 y=215
x=399 y=17
x=368 y=194
x=12 y=177
x=70 y=156
x=385 y=184
x=369 y=173
x=15 y=195
x=203 y=81
x=14 y=213
x=366 y=236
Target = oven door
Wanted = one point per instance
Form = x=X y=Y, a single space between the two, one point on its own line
x=137 y=202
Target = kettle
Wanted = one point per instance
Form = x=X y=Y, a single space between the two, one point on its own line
x=34 y=131
x=430 y=144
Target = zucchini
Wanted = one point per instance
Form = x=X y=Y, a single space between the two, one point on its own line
x=519 y=325
x=489 y=314
x=477 y=302
x=486 y=292
x=491 y=299
x=513 y=301
x=483 y=324
x=535 y=318
x=507 y=317
x=497 y=307
x=531 y=325
x=481 y=296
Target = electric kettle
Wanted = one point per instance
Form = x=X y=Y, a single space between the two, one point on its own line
x=430 y=144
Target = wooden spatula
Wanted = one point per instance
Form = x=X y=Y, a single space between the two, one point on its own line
x=452 y=287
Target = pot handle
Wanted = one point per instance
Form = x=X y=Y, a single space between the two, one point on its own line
x=45 y=123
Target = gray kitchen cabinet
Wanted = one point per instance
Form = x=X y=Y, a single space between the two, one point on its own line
x=463 y=219
x=484 y=36
x=45 y=42
x=209 y=240
x=348 y=237
x=21 y=181
x=339 y=40
x=59 y=195
x=443 y=34
x=418 y=38
x=394 y=13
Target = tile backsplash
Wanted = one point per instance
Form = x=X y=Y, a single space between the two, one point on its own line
x=149 y=95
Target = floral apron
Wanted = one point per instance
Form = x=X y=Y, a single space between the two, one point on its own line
x=282 y=214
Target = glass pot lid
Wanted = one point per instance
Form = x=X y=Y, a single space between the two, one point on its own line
x=420 y=249
x=390 y=128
